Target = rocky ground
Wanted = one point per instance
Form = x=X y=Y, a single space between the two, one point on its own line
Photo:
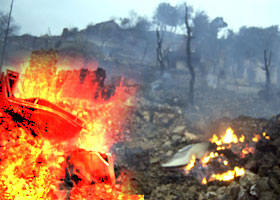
x=163 y=123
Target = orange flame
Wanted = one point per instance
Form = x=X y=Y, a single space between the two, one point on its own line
x=228 y=141
x=204 y=181
x=228 y=138
x=256 y=138
x=191 y=164
x=229 y=175
x=33 y=167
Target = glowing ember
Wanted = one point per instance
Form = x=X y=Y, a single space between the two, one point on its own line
x=41 y=163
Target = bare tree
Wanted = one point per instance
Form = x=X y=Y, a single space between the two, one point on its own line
x=266 y=68
x=189 y=56
x=6 y=37
x=161 y=53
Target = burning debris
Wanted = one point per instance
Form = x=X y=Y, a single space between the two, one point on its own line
x=220 y=159
x=55 y=133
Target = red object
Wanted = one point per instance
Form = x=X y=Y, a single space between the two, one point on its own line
x=92 y=167
x=40 y=116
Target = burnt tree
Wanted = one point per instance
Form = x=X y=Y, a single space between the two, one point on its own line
x=189 y=56
x=162 y=54
x=266 y=68
x=6 y=37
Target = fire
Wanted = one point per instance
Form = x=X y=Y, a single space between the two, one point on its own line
x=228 y=138
x=33 y=164
x=191 y=164
x=225 y=162
x=204 y=181
x=229 y=142
x=265 y=136
x=207 y=158
x=229 y=175
x=256 y=138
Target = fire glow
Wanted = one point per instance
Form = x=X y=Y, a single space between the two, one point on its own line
x=239 y=145
x=35 y=164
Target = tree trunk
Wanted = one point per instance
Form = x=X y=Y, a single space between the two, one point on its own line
x=189 y=58
x=267 y=72
x=6 y=38
x=160 y=56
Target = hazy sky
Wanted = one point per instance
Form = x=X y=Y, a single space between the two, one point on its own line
x=36 y=16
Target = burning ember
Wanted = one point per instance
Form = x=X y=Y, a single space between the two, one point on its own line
x=223 y=161
x=56 y=129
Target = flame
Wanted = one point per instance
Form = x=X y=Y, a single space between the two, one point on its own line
x=242 y=138
x=191 y=164
x=204 y=181
x=228 y=138
x=229 y=175
x=225 y=162
x=256 y=138
x=205 y=159
x=265 y=136
x=34 y=167
x=229 y=141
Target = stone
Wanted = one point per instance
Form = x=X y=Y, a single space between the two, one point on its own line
x=262 y=185
x=234 y=190
x=175 y=137
x=167 y=143
x=190 y=136
x=179 y=129
x=154 y=160
x=146 y=115
x=267 y=196
x=248 y=179
x=169 y=153
x=243 y=195
x=210 y=195
x=276 y=171
x=273 y=183
x=253 y=190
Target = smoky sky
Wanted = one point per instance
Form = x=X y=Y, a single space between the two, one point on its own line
x=36 y=17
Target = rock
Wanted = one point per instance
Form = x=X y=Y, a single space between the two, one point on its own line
x=267 y=196
x=243 y=195
x=175 y=137
x=253 y=191
x=154 y=160
x=278 y=152
x=169 y=153
x=273 y=183
x=179 y=129
x=146 y=115
x=210 y=195
x=248 y=179
x=137 y=158
x=234 y=190
x=161 y=118
x=167 y=143
x=276 y=172
x=190 y=136
x=262 y=185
